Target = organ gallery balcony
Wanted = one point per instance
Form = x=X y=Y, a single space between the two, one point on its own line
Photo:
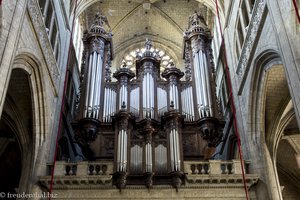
x=204 y=174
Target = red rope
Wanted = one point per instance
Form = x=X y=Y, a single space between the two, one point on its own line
x=0 y=2
x=232 y=102
x=296 y=10
x=62 y=103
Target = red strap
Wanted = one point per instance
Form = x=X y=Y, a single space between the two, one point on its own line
x=296 y=10
x=232 y=102
x=62 y=103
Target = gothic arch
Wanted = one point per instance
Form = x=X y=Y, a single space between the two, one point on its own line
x=30 y=64
x=263 y=61
x=83 y=4
x=15 y=130
x=24 y=111
x=268 y=114
x=256 y=118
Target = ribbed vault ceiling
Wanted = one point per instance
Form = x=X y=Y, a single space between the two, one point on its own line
x=131 y=21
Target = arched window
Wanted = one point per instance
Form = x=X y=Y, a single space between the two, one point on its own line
x=48 y=13
x=243 y=21
x=129 y=58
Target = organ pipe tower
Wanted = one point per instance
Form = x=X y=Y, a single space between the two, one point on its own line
x=198 y=52
x=98 y=52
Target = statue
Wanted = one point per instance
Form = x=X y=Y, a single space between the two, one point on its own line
x=148 y=44
x=101 y=19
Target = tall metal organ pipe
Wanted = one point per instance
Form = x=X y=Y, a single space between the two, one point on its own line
x=148 y=90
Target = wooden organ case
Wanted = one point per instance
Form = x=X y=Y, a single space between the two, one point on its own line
x=148 y=122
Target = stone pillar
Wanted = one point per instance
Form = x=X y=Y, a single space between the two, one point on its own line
x=273 y=185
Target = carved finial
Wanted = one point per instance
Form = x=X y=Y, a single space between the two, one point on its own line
x=172 y=105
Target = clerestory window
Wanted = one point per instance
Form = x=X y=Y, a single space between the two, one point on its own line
x=50 y=21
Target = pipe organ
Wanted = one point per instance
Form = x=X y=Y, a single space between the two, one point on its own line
x=151 y=124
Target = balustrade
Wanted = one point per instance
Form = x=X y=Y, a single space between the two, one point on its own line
x=214 y=167
x=196 y=172
x=218 y=172
x=63 y=168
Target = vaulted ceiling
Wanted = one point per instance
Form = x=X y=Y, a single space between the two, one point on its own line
x=131 y=21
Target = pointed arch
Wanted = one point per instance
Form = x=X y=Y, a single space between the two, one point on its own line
x=256 y=123
x=25 y=111
x=266 y=59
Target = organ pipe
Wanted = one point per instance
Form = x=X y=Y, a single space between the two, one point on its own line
x=122 y=151
x=148 y=95
x=148 y=158
x=174 y=150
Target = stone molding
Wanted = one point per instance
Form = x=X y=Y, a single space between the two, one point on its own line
x=252 y=36
x=42 y=36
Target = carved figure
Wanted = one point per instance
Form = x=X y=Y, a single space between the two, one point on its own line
x=148 y=44
x=101 y=19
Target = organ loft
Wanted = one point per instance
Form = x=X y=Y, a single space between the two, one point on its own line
x=148 y=121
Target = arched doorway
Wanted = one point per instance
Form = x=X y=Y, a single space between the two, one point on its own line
x=16 y=134
x=272 y=114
